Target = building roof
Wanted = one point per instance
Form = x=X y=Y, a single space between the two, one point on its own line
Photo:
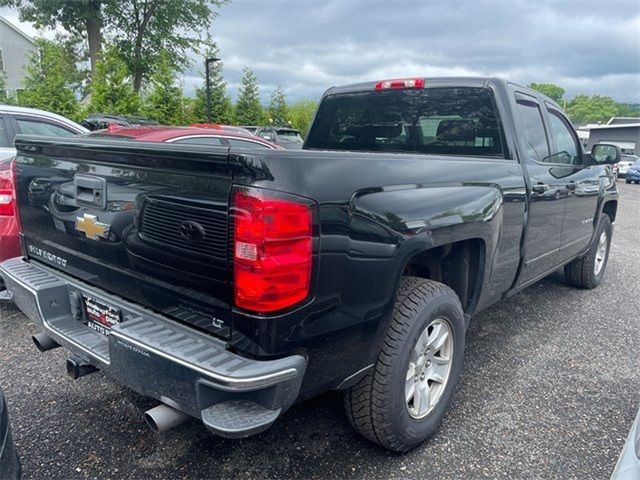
x=623 y=120
x=616 y=125
x=16 y=29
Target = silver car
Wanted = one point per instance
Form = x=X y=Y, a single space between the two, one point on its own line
x=628 y=466
x=14 y=120
x=625 y=162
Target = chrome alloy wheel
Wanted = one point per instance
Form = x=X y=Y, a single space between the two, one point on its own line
x=601 y=254
x=429 y=368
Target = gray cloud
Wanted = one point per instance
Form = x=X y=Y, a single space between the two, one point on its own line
x=586 y=46
x=307 y=46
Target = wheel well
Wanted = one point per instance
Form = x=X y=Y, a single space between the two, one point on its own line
x=457 y=265
x=611 y=208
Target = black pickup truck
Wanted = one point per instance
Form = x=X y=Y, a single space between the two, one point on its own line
x=229 y=283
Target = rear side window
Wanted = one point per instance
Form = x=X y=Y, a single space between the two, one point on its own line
x=35 y=127
x=235 y=142
x=444 y=121
x=211 y=141
x=534 y=134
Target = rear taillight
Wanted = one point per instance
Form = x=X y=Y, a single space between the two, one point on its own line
x=399 y=83
x=273 y=242
x=7 y=190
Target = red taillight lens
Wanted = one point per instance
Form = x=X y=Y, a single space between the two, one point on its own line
x=400 y=83
x=7 y=190
x=273 y=240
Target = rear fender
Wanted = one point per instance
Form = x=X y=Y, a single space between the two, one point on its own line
x=419 y=218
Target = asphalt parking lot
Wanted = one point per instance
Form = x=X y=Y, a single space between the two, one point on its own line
x=550 y=388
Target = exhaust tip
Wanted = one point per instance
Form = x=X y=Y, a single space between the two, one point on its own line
x=163 y=418
x=151 y=422
x=44 y=342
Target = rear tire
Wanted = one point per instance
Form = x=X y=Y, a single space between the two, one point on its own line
x=588 y=270
x=627 y=180
x=427 y=318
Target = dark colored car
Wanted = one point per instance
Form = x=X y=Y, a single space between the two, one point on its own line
x=9 y=462
x=101 y=121
x=633 y=173
x=238 y=281
x=288 y=138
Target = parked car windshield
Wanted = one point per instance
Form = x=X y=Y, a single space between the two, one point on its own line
x=444 y=121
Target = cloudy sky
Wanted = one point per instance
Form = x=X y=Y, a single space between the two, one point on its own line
x=585 y=46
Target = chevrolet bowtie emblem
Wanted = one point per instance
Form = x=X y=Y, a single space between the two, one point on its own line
x=91 y=227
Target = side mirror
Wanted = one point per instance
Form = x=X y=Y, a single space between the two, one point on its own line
x=605 y=154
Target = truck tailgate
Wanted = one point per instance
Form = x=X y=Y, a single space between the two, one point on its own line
x=145 y=221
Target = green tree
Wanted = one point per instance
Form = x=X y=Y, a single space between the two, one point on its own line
x=301 y=113
x=164 y=102
x=583 y=109
x=82 y=18
x=551 y=90
x=4 y=93
x=112 y=89
x=144 y=29
x=221 y=107
x=248 y=107
x=278 y=111
x=50 y=79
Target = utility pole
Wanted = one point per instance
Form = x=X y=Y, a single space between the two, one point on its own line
x=207 y=70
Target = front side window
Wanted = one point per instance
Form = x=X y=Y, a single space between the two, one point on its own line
x=441 y=121
x=534 y=134
x=566 y=146
x=36 y=127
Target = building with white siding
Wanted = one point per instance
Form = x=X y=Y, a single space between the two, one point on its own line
x=16 y=47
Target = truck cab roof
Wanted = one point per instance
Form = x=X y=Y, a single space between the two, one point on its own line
x=434 y=82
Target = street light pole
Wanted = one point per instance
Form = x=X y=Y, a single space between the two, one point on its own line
x=207 y=70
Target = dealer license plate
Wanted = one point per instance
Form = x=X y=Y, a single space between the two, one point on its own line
x=99 y=316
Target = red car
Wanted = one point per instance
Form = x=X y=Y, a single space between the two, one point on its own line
x=9 y=228
x=220 y=137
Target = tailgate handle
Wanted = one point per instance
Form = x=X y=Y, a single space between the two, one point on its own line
x=90 y=191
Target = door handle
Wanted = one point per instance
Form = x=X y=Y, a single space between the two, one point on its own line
x=540 y=188
x=571 y=185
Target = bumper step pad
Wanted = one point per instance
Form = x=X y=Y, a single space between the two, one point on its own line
x=235 y=396
x=238 y=418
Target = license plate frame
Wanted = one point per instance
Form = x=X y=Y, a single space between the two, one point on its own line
x=100 y=316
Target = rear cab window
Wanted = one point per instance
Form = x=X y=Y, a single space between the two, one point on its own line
x=440 y=120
